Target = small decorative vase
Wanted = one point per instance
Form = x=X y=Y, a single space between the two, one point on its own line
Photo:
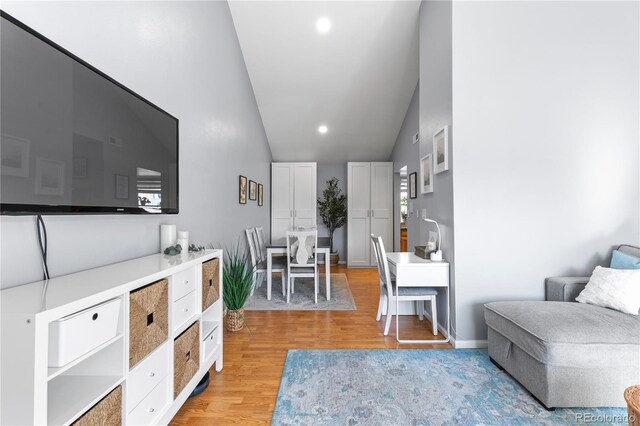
x=334 y=259
x=235 y=320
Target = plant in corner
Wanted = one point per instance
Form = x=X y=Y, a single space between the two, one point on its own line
x=237 y=278
x=332 y=207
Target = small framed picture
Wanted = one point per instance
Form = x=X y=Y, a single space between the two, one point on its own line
x=122 y=187
x=426 y=174
x=260 y=194
x=243 y=190
x=441 y=150
x=253 y=190
x=413 y=185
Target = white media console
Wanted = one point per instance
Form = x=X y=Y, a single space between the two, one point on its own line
x=126 y=342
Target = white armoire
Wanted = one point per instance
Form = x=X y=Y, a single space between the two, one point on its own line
x=370 y=205
x=293 y=197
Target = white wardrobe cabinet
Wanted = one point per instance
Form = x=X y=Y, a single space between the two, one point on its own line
x=293 y=197
x=370 y=206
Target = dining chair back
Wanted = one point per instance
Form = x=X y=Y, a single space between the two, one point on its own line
x=260 y=242
x=386 y=284
x=302 y=260
x=251 y=242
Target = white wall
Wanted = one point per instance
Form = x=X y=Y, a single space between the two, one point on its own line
x=184 y=57
x=546 y=118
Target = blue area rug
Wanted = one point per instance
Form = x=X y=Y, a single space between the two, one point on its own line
x=413 y=387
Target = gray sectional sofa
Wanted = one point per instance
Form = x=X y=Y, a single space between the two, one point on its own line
x=566 y=354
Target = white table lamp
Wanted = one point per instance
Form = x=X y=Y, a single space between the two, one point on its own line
x=436 y=256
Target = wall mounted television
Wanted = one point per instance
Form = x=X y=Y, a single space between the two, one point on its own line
x=74 y=140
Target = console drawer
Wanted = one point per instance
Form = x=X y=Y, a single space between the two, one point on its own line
x=151 y=406
x=148 y=320
x=183 y=283
x=210 y=343
x=183 y=309
x=76 y=334
x=147 y=375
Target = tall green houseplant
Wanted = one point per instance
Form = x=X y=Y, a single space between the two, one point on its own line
x=332 y=207
x=237 y=277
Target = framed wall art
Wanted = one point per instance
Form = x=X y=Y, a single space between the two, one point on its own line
x=253 y=190
x=426 y=174
x=441 y=150
x=242 y=188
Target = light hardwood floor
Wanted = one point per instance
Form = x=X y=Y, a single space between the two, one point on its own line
x=245 y=391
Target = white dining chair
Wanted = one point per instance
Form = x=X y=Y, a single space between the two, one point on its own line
x=390 y=294
x=260 y=242
x=302 y=261
x=260 y=262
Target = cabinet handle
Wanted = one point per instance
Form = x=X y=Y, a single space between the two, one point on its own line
x=186 y=309
x=186 y=281
x=152 y=374
x=151 y=410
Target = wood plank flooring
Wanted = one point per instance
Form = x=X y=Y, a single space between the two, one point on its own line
x=245 y=391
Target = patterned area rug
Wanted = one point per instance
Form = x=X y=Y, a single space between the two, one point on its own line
x=302 y=299
x=412 y=387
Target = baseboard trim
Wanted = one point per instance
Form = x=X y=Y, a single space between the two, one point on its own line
x=470 y=344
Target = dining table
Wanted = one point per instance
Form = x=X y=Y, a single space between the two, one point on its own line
x=279 y=247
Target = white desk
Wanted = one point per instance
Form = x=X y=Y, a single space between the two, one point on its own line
x=413 y=271
x=280 y=247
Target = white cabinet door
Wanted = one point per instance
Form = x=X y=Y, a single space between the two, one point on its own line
x=359 y=203
x=305 y=180
x=382 y=204
x=281 y=200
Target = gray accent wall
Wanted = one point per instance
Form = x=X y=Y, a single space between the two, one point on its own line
x=406 y=153
x=325 y=172
x=547 y=145
x=184 y=57
x=435 y=100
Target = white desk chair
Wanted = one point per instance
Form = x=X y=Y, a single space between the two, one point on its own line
x=302 y=260
x=260 y=263
x=260 y=243
x=393 y=296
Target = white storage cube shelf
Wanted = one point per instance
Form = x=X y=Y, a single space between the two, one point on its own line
x=80 y=322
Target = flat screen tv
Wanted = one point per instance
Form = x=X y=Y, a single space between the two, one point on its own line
x=74 y=140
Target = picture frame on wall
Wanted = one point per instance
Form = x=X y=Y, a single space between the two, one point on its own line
x=260 y=194
x=242 y=190
x=441 y=150
x=413 y=185
x=426 y=174
x=253 y=190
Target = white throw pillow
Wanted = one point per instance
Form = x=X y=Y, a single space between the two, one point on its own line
x=617 y=289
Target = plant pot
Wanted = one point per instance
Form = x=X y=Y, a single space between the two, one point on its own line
x=235 y=320
x=334 y=258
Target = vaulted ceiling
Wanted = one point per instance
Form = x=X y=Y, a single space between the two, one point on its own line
x=356 y=79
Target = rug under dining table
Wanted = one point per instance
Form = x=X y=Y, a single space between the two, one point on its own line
x=302 y=299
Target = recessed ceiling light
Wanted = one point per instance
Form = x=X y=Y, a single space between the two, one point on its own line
x=323 y=129
x=323 y=25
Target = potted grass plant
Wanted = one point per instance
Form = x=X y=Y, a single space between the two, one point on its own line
x=237 y=278
x=332 y=207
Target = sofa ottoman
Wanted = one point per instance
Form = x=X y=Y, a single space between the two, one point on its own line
x=566 y=354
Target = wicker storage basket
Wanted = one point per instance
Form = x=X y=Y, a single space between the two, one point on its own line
x=148 y=320
x=186 y=357
x=210 y=282
x=107 y=412
x=632 y=395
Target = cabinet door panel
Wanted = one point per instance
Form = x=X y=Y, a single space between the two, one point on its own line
x=281 y=200
x=305 y=180
x=382 y=204
x=359 y=203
